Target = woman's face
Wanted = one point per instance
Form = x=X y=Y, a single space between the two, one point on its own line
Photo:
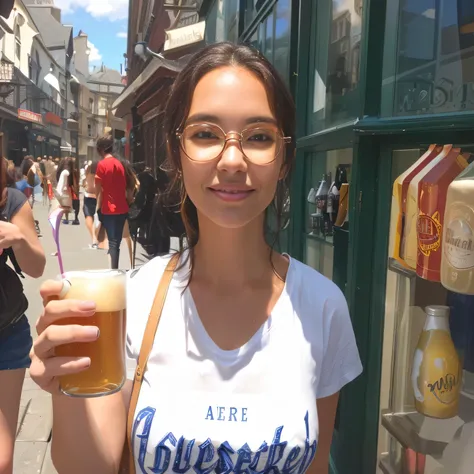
x=229 y=190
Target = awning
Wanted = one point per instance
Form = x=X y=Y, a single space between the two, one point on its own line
x=156 y=68
x=52 y=81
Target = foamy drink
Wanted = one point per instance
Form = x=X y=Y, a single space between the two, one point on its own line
x=106 y=374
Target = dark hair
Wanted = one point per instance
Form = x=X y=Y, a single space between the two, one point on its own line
x=177 y=109
x=130 y=175
x=3 y=181
x=26 y=165
x=105 y=144
x=92 y=168
x=66 y=164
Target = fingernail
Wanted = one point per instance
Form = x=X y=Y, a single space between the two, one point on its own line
x=91 y=331
x=86 y=305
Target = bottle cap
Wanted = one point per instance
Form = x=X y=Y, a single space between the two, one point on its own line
x=437 y=311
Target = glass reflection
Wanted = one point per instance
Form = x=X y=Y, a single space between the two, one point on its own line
x=434 y=70
x=336 y=62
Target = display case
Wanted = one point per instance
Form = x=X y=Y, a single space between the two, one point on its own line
x=326 y=235
x=427 y=389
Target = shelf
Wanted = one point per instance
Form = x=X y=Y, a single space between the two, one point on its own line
x=320 y=238
x=400 y=269
x=385 y=465
x=406 y=429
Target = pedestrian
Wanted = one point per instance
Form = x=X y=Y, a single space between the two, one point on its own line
x=63 y=191
x=89 y=205
x=253 y=346
x=132 y=188
x=20 y=251
x=111 y=190
x=30 y=179
x=75 y=191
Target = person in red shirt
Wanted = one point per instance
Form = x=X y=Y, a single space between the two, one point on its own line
x=111 y=190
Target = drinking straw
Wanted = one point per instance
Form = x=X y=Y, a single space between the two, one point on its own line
x=55 y=220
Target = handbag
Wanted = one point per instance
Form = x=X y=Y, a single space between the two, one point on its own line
x=127 y=465
x=13 y=302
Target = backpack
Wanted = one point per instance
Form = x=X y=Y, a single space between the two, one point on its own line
x=13 y=302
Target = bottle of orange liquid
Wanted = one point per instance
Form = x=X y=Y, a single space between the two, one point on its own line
x=436 y=375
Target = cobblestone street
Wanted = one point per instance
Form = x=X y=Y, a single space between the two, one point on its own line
x=32 y=450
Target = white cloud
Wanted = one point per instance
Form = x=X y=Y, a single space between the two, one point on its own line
x=109 y=9
x=122 y=34
x=94 y=56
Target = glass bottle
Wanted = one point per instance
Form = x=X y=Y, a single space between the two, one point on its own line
x=457 y=262
x=322 y=196
x=436 y=368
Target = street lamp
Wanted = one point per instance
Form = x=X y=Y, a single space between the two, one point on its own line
x=144 y=52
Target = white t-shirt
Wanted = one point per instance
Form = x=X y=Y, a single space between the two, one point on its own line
x=202 y=409
x=62 y=192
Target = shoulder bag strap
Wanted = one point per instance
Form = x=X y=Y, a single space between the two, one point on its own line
x=147 y=344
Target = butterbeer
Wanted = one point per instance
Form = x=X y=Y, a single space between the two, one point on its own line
x=436 y=375
x=106 y=373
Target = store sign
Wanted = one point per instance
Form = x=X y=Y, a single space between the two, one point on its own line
x=53 y=119
x=181 y=37
x=30 y=116
x=179 y=15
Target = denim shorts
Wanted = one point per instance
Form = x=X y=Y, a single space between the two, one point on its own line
x=15 y=346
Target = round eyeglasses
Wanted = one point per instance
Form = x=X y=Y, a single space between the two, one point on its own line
x=205 y=142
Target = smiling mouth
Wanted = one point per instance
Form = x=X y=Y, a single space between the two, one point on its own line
x=231 y=194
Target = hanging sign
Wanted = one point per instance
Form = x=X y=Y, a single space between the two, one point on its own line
x=185 y=36
x=30 y=116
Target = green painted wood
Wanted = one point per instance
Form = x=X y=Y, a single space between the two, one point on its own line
x=341 y=136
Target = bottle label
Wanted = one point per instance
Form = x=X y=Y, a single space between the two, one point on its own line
x=429 y=233
x=459 y=244
x=445 y=389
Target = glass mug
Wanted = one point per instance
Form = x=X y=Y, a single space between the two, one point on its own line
x=107 y=372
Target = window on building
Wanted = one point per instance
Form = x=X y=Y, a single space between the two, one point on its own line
x=91 y=105
x=38 y=67
x=17 y=41
x=428 y=61
x=30 y=68
x=89 y=130
x=334 y=62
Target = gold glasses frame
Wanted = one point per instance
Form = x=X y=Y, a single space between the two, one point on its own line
x=228 y=136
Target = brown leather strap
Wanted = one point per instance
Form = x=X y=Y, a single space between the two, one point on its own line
x=147 y=344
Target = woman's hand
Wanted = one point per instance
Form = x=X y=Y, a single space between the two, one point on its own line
x=10 y=235
x=45 y=366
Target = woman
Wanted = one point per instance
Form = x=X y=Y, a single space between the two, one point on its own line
x=253 y=346
x=18 y=242
x=30 y=178
x=75 y=191
x=90 y=201
x=63 y=191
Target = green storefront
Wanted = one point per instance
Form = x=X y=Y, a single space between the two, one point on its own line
x=376 y=83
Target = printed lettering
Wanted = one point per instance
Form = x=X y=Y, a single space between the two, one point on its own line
x=146 y=414
x=277 y=450
x=232 y=414
x=225 y=464
x=244 y=414
x=163 y=454
x=254 y=465
x=290 y=467
x=220 y=416
x=187 y=456
x=206 y=455
x=245 y=457
x=309 y=449
x=209 y=416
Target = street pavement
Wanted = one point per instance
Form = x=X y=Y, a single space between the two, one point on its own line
x=32 y=448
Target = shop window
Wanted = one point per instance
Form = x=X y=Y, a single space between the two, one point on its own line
x=327 y=176
x=17 y=42
x=427 y=382
x=428 y=66
x=335 y=52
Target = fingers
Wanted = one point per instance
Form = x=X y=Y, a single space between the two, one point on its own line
x=55 y=336
x=45 y=373
x=57 y=310
x=52 y=288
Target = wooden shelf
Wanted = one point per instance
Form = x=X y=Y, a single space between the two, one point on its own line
x=400 y=269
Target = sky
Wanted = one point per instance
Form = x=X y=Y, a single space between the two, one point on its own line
x=105 y=22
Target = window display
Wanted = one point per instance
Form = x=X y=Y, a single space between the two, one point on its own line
x=427 y=386
x=327 y=216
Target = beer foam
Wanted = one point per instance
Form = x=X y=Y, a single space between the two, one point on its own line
x=107 y=288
